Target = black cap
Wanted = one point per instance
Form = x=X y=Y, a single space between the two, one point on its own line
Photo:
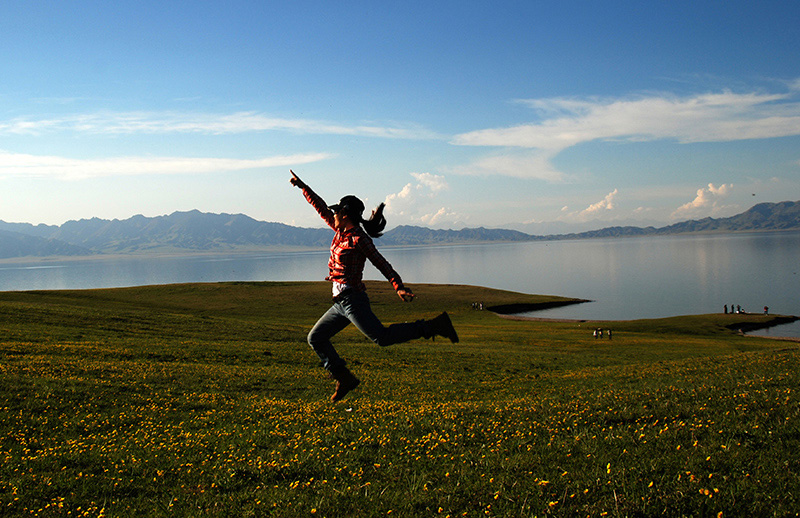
x=349 y=205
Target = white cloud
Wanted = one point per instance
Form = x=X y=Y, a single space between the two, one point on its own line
x=702 y=118
x=606 y=203
x=706 y=202
x=416 y=201
x=433 y=182
x=407 y=200
x=594 y=211
x=440 y=216
x=24 y=165
x=115 y=123
x=710 y=117
x=530 y=164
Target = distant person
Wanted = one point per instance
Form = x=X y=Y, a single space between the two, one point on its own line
x=725 y=309
x=352 y=245
x=766 y=310
x=609 y=334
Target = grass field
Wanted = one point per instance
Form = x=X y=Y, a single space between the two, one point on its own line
x=205 y=400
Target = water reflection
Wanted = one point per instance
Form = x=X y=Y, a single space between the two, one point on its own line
x=627 y=278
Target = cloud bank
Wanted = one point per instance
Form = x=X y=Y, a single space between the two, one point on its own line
x=115 y=123
x=25 y=165
x=529 y=164
x=564 y=123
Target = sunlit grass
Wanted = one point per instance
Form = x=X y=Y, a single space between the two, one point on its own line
x=205 y=400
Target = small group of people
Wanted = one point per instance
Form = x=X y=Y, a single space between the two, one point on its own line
x=738 y=310
x=734 y=309
x=598 y=333
x=478 y=306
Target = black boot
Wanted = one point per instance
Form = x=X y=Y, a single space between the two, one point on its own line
x=440 y=326
x=345 y=382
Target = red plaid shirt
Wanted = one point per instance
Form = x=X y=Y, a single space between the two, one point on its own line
x=349 y=251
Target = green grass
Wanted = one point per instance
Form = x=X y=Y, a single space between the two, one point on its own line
x=205 y=400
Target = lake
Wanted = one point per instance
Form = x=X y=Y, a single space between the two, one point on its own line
x=626 y=278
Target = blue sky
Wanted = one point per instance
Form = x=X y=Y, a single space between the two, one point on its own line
x=542 y=116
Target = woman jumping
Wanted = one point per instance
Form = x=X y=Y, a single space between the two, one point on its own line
x=351 y=247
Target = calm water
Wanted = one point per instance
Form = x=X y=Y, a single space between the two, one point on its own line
x=625 y=278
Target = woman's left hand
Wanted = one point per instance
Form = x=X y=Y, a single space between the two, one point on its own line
x=406 y=295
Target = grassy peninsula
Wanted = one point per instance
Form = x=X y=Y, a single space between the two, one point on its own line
x=204 y=400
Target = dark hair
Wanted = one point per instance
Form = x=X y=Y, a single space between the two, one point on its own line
x=376 y=223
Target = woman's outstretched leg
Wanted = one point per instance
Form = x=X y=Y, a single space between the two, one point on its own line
x=357 y=309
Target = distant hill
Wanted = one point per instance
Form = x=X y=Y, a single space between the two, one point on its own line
x=178 y=232
x=14 y=244
x=196 y=231
x=762 y=217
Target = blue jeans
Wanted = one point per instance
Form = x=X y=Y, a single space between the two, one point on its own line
x=354 y=307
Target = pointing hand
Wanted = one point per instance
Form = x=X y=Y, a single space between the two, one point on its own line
x=294 y=180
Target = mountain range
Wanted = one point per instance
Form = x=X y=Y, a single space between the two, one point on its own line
x=195 y=231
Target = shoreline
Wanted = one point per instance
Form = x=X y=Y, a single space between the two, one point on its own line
x=546 y=319
x=510 y=311
x=741 y=328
